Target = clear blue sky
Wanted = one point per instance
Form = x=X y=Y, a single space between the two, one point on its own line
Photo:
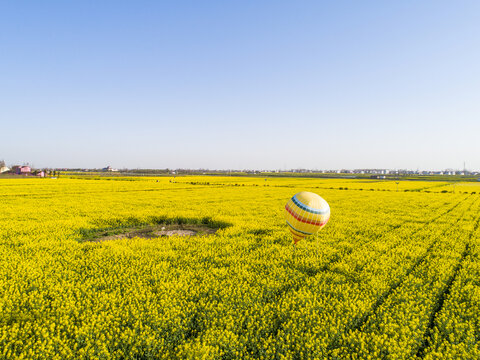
x=240 y=84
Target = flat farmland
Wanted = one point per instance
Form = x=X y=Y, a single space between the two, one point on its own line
x=393 y=275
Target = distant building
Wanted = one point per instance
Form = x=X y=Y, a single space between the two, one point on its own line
x=23 y=170
x=4 y=169
x=109 y=168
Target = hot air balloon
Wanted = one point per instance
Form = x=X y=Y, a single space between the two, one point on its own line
x=306 y=213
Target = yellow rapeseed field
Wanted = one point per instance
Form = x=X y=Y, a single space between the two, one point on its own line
x=393 y=275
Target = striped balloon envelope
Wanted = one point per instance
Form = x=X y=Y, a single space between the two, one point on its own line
x=306 y=213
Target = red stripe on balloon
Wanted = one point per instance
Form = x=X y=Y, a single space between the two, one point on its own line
x=299 y=218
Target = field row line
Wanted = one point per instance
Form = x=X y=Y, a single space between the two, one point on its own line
x=428 y=335
x=359 y=322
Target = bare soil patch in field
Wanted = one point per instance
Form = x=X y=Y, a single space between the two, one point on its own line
x=152 y=232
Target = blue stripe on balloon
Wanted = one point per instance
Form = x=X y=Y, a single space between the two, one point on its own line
x=308 y=208
x=303 y=232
